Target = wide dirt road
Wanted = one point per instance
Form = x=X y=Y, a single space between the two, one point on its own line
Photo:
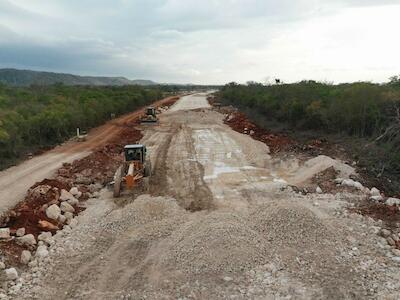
x=15 y=181
x=217 y=221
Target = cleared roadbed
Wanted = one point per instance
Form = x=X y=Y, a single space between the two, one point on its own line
x=221 y=218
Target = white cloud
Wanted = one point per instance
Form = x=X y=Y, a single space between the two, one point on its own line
x=210 y=41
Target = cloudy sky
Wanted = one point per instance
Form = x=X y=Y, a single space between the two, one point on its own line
x=204 y=41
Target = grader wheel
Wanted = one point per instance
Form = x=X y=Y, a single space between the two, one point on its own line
x=118 y=181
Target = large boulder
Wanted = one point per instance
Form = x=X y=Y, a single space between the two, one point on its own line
x=73 y=201
x=28 y=240
x=42 y=252
x=20 y=232
x=66 y=196
x=4 y=233
x=375 y=192
x=68 y=215
x=74 y=191
x=11 y=274
x=392 y=201
x=40 y=190
x=25 y=257
x=46 y=237
x=53 y=212
x=66 y=207
x=358 y=185
x=354 y=184
x=62 y=219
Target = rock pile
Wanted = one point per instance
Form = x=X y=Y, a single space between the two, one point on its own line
x=240 y=123
x=201 y=246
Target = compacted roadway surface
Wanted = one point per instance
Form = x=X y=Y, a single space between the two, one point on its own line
x=218 y=219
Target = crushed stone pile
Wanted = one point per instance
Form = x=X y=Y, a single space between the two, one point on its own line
x=217 y=242
x=144 y=210
x=289 y=225
x=306 y=245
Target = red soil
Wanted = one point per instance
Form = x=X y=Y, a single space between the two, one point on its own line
x=240 y=123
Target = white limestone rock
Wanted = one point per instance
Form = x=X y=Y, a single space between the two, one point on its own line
x=74 y=191
x=11 y=274
x=65 y=195
x=46 y=237
x=375 y=192
x=73 y=201
x=4 y=233
x=41 y=252
x=73 y=223
x=28 y=240
x=20 y=232
x=392 y=201
x=62 y=219
x=66 y=207
x=25 y=257
x=53 y=212
x=69 y=215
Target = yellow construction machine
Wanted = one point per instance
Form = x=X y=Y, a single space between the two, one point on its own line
x=150 y=116
x=134 y=168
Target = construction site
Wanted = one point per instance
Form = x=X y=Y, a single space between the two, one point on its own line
x=189 y=199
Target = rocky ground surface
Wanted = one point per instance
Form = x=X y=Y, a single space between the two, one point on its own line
x=222 y=217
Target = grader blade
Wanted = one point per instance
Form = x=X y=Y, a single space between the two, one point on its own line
x=118 y=181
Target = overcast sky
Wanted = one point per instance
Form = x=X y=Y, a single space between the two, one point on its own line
x=204 y=41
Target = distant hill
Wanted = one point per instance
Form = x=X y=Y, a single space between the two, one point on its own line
x=26 y=77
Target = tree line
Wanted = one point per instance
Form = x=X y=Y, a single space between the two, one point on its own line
x=37 y=117
x=361 y=109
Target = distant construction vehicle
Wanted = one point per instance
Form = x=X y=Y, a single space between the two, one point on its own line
x=134 y=168
x=150 y=116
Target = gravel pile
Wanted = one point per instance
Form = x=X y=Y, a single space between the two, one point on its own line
x=287 y=224
x=217 y=242
x=144 y=210
x=305 y=244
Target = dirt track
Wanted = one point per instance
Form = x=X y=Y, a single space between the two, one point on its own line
x=219 y=221
x=15 y=181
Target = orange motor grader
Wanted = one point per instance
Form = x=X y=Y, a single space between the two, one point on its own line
x=134 y=168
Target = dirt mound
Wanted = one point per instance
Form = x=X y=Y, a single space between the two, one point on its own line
x=216 y=243
x=240 y=123
x=144 y=210
x=61 y=185
x=29 y=212
x=306 y=245
x=326 y=180
x=319 y=164
x=291 y=225
x=100 y=166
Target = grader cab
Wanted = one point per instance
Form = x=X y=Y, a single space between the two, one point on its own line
x=135 y=167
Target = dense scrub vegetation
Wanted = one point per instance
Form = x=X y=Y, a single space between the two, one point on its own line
x=362 y=110
x=35 y=117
